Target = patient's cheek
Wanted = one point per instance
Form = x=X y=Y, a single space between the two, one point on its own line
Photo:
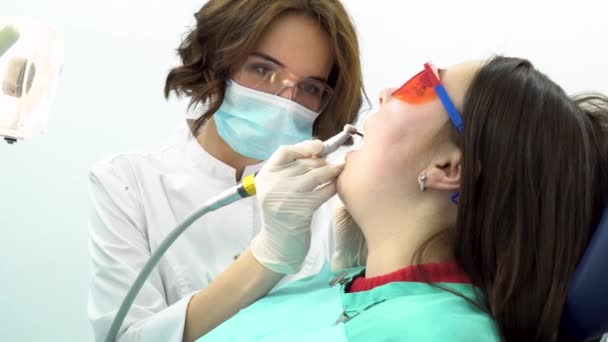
x=354 y=187
x=386 y=162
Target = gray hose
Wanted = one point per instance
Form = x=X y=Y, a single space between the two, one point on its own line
x=229 y=196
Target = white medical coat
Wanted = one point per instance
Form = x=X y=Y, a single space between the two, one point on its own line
x=137 y=199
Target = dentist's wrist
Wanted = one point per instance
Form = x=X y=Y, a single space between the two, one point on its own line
x=279 y=255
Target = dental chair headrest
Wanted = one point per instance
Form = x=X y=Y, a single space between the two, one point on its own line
x=585 y=314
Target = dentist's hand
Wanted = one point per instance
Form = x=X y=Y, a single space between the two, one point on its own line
x=351 y=247
x=288 y=196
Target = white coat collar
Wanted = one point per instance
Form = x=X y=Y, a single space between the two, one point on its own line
x=210 y=165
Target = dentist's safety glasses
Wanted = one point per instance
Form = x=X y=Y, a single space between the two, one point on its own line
x=264 y=73
x=426 y=87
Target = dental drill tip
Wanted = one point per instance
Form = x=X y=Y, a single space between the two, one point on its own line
x=350 y=129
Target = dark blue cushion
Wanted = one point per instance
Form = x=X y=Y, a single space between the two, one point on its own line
x=585 y=314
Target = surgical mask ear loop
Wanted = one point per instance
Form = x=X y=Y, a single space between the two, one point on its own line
x=422 y=181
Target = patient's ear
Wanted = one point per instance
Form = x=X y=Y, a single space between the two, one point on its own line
x=445 y=172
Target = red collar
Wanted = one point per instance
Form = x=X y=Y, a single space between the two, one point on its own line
x=425 y=273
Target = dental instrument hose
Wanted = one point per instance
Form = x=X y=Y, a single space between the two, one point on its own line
x=243 y=190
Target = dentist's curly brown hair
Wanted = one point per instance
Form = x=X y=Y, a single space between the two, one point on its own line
x=226 y=32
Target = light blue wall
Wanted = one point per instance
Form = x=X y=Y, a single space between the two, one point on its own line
x=110 y=99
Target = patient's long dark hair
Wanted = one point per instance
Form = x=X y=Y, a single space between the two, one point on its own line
x=535 y=182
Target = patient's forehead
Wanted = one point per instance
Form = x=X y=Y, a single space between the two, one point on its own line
x=457 y=79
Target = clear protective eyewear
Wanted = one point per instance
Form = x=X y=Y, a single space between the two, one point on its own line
x=265 y=74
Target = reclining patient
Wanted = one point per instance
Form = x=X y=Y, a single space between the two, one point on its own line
x=469 y=205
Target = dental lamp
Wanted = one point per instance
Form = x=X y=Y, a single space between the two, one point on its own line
x=31 y=57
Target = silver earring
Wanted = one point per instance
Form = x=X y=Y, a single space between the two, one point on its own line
x=422 y=181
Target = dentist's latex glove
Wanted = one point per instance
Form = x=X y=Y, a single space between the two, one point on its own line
x=351 y=247
x=287 y=193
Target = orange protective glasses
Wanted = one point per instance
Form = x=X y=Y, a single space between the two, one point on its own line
x=426 y=87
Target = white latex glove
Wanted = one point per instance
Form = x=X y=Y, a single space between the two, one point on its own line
x=351 y=247
x=287 y=192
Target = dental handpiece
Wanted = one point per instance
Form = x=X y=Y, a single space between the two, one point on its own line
x=247 y=187
x=332 y=144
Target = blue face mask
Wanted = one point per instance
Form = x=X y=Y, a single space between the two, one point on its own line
x=255 y=124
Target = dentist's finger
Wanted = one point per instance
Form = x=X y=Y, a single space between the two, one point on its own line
x=301 y=166
x=324 y=193
x=290 y=153
x=320 y=176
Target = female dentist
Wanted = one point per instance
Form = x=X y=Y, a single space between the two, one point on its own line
x=267 y=73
